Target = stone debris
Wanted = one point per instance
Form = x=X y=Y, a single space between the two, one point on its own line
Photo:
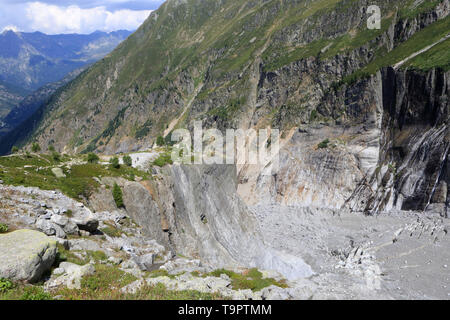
x=69 y=275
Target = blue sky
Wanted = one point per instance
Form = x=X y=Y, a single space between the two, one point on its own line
x=82 y=16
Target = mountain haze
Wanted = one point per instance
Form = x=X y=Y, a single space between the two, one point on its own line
x=29 y=61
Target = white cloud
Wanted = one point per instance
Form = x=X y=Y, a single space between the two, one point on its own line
x=11 y=28
x=52 y=19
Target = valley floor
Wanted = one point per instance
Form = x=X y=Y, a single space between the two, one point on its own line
x=396 y=255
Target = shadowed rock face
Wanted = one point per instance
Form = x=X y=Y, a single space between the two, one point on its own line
x=412 y=171
x=393 y=154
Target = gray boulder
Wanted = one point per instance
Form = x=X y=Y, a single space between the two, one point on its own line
x=25 y=255
x=50 y=229
x=58 y=172
x=71 y=228
x=145 y=261
x=69 y=275
x=87 y=223
x=59 y=220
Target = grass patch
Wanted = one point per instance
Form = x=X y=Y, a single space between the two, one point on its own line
x=163 y=160
x=3 y=228
x=251 y=279
x=111 y=230
x=35 y=171
x=436 y=57
x=324 y=144
x=24 y=292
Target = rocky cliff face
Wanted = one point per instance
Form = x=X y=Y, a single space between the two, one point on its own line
x=412 y=171
x=10 y=96
x=353 y=135
x=195 y=211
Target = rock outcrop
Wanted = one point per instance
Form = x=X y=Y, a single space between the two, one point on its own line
x=412 y=170
x=196 y=211
x=25 y=255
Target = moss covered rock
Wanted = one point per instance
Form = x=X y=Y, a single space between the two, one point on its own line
x=25 y=255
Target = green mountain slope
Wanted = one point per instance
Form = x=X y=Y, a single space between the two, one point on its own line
x=234 y=64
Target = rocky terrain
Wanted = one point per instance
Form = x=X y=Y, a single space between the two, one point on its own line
x=175 y=236
x=110 y=238
x=356 y=209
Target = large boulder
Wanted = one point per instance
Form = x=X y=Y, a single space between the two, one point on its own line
x=25 y=255
x=86 y=222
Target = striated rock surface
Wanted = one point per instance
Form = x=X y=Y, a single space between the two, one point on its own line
x=196 y=211
x=412 y=170
x=25 y=255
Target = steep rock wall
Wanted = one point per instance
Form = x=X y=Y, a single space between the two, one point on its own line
x=412 y=171
x=195 y=211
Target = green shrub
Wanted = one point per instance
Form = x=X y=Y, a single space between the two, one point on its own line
x=162 y=160
x=114 y=162
x=56 y=156
x=5 y=285
x=127 y=161
x=92 y=158
x=35 y=147
x=160 y=141
x=35 y=293
x=14 y=149
x=51 y=148
x=313 y=115
x=111 y=231
x=117 y=195
x=324 y=144
x=3 y=228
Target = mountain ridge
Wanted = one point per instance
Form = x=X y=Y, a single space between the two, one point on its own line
x=29 y=61
x=158 y=65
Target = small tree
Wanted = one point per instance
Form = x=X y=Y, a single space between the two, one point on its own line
x=14 y=149
x=92 y=158
x=117 y=195
x=114 y=161
x=3 y=228
x=56 y=156
x=35 y=147
x=160 y=141
x=127 y=161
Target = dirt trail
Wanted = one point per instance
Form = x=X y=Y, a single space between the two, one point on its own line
x=399 y=64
